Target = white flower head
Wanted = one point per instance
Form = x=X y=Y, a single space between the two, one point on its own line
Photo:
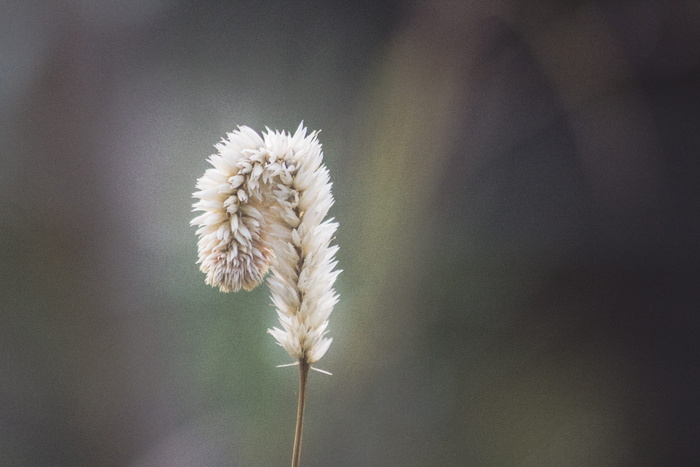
x=263 y=206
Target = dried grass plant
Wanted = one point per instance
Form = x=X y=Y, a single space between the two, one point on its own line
x=263 y=206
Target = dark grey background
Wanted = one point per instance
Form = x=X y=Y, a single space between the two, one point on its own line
x=517 y=191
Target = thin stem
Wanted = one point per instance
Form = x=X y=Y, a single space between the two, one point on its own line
x=303 y=376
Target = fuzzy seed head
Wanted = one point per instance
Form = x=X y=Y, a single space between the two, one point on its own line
x=263 y=205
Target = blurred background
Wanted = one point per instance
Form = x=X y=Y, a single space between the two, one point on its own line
x=517 y=190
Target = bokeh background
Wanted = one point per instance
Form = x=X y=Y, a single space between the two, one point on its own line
x=517 y=189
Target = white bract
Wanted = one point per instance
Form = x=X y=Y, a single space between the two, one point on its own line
x=264 y=202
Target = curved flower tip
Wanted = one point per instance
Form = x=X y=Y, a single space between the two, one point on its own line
x=263 y=205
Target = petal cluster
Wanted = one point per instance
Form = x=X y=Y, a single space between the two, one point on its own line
x=263 y=205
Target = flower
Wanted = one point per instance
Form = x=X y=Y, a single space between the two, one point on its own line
x=264 y=202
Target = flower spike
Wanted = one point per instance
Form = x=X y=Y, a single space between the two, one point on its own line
x=263 y=205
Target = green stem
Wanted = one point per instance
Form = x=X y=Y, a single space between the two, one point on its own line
x=303 y=376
